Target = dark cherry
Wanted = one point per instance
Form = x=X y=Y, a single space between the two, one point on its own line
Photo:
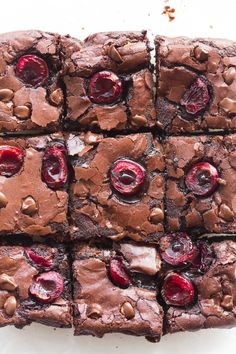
x=11 y=160
x=178 y=290
x=104 y=87
x=54 y=166
x=202 y=262
x=47 y=287
x=127 y=177
x=202 y=179
x=40 y=261
x=196 y=97
x=118 y=272
x=178 y=249
x=32 y=69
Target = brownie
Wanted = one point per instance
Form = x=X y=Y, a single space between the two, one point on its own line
x=33 y=177
x=107 y=299
x=215 y=304
x=195 y=84
x=34 y=286
x=31 y=97
x=200 y=188
x=118 y=187
x=109 y=83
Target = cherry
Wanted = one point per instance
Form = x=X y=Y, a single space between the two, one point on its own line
x=196 y=97
x=177 y=290
x=32 y=69
x=54 y=166
x=47 y=287
x=11 y=160
x=201 y=263
x=104 y=87
x=40 y=261
x=202 y=179
x=178 y=249
x=127 y=177
x=118 y=272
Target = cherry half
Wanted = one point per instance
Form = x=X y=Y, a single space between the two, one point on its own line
x=40 y=261
x=32 y=70
x=202 y=262
x=104 y=87
x=47 y=287
x=54 y=166
x=177 y=290
x=202 y=179
x=127 y=177
x=178 y=249
x=11 y=160
x=196 y=98
x=118 y=272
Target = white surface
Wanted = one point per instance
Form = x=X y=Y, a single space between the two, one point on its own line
x=79 y=18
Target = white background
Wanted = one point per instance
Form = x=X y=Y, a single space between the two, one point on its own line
x=79 y=18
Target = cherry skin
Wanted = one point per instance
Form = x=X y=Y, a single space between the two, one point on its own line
x=47 y=287
x=11 y=160
x=202 y=262
x=40 y=261
x=118 y=272
x=104 y=87
x=196 y=98
x=32 y=70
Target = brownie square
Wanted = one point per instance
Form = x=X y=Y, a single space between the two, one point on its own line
x=118 y=187
x=195 y=84
x=109 y=83
x=102 y=305
x=215 y=304
x=30 y=94
x=200 y=185
x=33 y=177
x=34 y=285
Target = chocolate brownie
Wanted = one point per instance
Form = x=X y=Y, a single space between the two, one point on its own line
x=33 y=179
x=114 y=291
x=34 y=286
x=109 y=83
x=195 y=84
x=118 y=186
x=215 y=302
x=200 y=185
x=30 y=94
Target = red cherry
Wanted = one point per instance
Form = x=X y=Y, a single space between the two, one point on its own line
x=11 y=160
x=47 y=287
x=202 y=262
x=202 y=179
x=32 y=69
x=54 y=166
x=178 y=249
x=177 y=290
x=104 y=87
x=118 y=272
x=40 y=261
x=127 y=177
x=196 y=97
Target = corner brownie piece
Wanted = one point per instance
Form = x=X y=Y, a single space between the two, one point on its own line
x=114 y=291
x=109 y=83
x=195 y=84
x=118 y=187
x=30 y=93
x=200 y=185
x=34 y=286
x=33 y=180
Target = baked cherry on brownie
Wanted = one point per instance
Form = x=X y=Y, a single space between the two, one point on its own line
x=178 y=290
x=196 y=97
x=39 y=260
x=204 y=258
x=54 y=166
x=127 y=177
x=47 y=287
x=104 y=87
x=11 y=160
x=118 y=272
x=202 y=179
x=32 y=69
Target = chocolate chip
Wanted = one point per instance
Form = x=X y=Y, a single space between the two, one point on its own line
x=92 y=138
x=229 y=75
x=156 y=215
x=113 y=53
x=56 y=97
x=127 y=310
x=94 y=311
x=227 y=302
x=3 y=200
x=200 y=53
x=7 y=282
x=6 y=95
x=226 y=213
x=228 y=105
x=29 y=206
x=22 y=112
x=10 y=305
x=139 y=120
